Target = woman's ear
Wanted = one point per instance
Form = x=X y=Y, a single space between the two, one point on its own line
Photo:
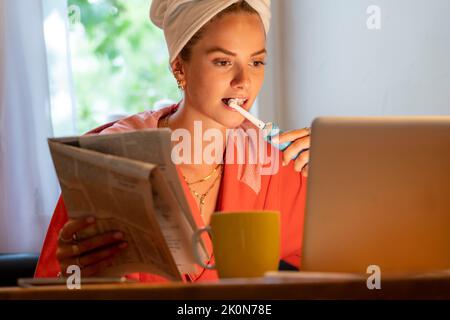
x=178 y=72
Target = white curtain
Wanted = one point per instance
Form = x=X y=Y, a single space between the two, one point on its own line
x=28 y=186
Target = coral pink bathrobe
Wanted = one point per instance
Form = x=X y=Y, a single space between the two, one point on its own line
x=283 y=191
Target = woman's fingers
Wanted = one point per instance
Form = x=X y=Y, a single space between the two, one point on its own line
x=301 y=163
x=73 y=226
x=91 y=255
x=291 y=152
x=99 y=255
x=73 y=250
x=305 y=170
x=99 y=241
x=298 y=149
x=291 y=135
x=93 y=262
x=96 y=268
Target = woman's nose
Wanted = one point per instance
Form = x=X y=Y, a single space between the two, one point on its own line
x=241 y=80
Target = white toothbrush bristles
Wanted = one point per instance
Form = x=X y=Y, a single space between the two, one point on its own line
x=233 y=103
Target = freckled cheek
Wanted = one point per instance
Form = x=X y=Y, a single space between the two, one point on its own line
x=216 y=85
x=258 y=79
x=257 y=82
x=206 y=92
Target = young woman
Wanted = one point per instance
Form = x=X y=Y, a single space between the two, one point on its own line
x=217 y=51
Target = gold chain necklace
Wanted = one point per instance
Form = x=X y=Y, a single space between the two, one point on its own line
x=202 y=196
x=203 y=179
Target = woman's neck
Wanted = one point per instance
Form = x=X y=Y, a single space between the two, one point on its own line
x=196 y=123
x=185 y=118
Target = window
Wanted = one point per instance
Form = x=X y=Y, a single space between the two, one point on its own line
x=119 y=61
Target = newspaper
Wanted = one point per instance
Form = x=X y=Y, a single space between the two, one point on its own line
x=129 y=183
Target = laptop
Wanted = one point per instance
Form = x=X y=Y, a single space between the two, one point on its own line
x=378 y=195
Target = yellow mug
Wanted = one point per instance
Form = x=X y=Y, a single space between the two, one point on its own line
x=245 y=243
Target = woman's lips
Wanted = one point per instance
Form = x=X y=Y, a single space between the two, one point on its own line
x=228 y=107
x=244 y=105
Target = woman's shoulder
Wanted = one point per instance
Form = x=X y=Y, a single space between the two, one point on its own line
x=143 y=120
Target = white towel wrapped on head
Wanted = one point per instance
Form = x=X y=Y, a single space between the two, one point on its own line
x=181 y=19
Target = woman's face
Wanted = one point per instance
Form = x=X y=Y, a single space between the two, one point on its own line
x=228 y=62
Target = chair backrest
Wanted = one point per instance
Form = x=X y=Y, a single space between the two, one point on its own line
x=16 y=265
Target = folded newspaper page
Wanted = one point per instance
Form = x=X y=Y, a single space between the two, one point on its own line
x=129 y=183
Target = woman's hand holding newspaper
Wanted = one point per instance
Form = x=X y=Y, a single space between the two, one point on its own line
x=92 y=255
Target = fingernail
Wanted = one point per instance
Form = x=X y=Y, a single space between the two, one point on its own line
x=90 y=220
x=275 y=139
x=123 y=245
x=118 y=235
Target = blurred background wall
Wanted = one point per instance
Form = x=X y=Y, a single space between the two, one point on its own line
x=326 y=61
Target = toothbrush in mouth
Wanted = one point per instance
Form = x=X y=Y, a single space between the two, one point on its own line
x=269 y=129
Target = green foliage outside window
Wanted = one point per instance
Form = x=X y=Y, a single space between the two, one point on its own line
x=119 y=60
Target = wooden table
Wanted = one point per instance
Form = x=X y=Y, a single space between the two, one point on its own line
x=241 y=289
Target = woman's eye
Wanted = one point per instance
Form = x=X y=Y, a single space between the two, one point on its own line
x=222 y=63
x=258 y=63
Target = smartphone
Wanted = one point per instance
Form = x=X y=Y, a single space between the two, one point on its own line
x=36 y=282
